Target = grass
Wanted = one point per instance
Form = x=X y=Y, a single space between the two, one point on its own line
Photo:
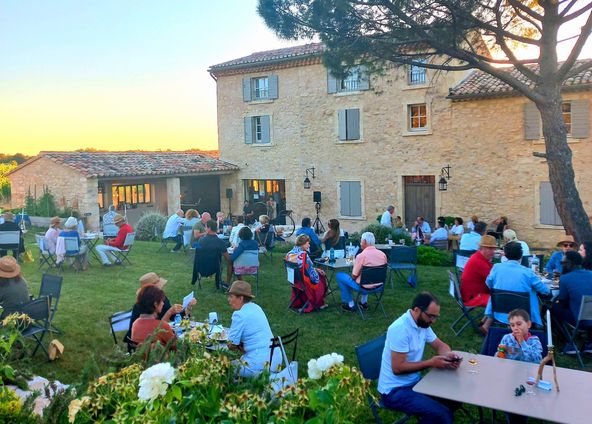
x=89 y=298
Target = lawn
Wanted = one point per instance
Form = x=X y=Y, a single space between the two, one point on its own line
x=89 y=298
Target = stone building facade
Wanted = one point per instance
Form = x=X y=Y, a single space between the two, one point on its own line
x=280 y=113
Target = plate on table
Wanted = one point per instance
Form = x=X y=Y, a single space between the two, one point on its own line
x=218 y=334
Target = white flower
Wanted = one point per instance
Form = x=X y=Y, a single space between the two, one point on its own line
x=155 y=381
x=314 y=372
x=337 y=359
x=324 y=362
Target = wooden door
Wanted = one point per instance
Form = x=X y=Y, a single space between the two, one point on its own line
x=420 y=199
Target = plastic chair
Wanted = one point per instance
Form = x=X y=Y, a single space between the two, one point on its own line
x=372 y=275
x=572 y=331
x=123 y=254
x=288 y=339
x=403 y=258
x=247 y=263
x=504 y=301
x=51 y=287
x=454 y=291
x=38 y=311
x=72 y=245
x=45 y=257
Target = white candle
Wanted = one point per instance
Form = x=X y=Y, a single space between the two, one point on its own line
x=549 y=338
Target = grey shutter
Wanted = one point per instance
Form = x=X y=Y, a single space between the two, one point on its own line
x=345 y=209
x=265 y=129
x=353 y=124
x=355 y=198
x=364 y=83
x=273 y=86
x=580 y=118
x=532 y=122
x=548 y=211
x=331 y=83
x=248 y=130
x=247 y=89
x=342 y=120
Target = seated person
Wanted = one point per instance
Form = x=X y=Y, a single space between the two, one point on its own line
x=265 y=232
x=150 y=302
x=501 y=224
x=566 y=243
x=456 y=232
x=114 y=245
x=398 y=222
x=315 y=241
x=109 y=228
x=14 y=291
x=471 y=224
x=332 y=237
x=249 y=332
x=441 y=232
x=71 y=230
x=52 y=234
x=370 y=256
x=313 y=278
x=574 y=283
x=470 y=240
x=167 y=311
x=510 y=235
x=199 y=228
x=512 y=276
x=10 y=225
x=473 y=290
x=172 y=229
x=222 y=222
x=585 y=247
x=234 y=238
x=191 y=218
x=420 y=230
x=212 y=248
x=246 y=243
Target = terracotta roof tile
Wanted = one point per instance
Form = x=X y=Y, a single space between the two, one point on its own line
x=482 y=85
x=120 y=164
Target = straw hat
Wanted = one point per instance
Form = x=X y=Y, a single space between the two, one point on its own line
x=71 y=222
x=488 y=241
x=118 y=218
x=152 y=279
x=565 y=239
x=9 y=268
x=55 y=221
x=241 y=288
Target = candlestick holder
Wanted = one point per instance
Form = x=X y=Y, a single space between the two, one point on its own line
x=550 y=357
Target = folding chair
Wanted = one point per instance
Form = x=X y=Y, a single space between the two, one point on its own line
x=288 y=339
x=369 y=359
x=38 y=311
x=572 y=332
x=45 y=257
x=440 y=244
x=51 y=287
x=403 y=258
x=503 y=301
x=72 y=245
x=247 y=263
x=266 y=242
x=206 y=263
x=10 y=240
x=299 y=293
x=454 y=291
x=372 y=275
x=123 y=254
x=461 y=257
x=110 y=231
x=163 y=241
x=120 y=322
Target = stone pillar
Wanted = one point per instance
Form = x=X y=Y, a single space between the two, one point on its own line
x=173 y=186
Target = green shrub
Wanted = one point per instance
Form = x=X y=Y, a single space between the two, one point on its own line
x=354 y=238
x=150 y=223
x=449 y=220
x=427 y=255
x=383 y=233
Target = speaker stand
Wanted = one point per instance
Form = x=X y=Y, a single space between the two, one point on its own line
x=317 y=224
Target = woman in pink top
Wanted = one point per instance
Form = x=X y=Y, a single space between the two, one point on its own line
x=52 y=233
x=150 y=302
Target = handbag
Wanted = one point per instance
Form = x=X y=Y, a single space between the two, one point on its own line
x=288 y=376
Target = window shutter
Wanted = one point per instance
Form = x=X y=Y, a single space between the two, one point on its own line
x=353 y=124
x=548 y=211
x=342 y=119
x=247 y=89
x=580 y=118
x=273 y=86
x=344 y=198
x=532 y=122
x=355 y=198
x=364 y=83
x=265 y=129
x=331 y=83
x=248 y=130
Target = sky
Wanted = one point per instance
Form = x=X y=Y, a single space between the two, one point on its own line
x=119 y=74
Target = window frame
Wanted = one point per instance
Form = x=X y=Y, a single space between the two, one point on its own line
x=119 y=191
x=256 y=130
x=564 y=113
x=417 y=70
x=410 y=118
x=256 y=90
x=361 y=199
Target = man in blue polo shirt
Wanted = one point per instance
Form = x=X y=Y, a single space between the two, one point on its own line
x=315 y=242
x=402 y=362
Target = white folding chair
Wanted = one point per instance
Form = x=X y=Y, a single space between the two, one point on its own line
x=72 y=245
x=123 y=254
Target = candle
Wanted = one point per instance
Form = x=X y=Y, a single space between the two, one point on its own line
x=549 y=338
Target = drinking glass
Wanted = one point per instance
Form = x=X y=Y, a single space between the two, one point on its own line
x=473 y=362
x=530 y=380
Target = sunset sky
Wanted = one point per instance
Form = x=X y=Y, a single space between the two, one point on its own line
x=118 y=74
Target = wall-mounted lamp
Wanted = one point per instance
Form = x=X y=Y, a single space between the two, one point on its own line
x=306 y=179
x=444 y=173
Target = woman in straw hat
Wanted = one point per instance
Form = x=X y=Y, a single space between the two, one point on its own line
x=249 y=331
x=150 y=303
x=52 y=233
x=13 y=287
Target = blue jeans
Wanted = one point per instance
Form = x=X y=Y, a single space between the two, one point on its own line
x=346 y=284
x=428 y=409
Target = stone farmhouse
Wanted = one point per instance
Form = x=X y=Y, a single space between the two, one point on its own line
x=365 y=142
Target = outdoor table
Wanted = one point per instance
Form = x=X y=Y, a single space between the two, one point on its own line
x=91 y=240
x=339 y=263
x=493 y=386
x=214 y=345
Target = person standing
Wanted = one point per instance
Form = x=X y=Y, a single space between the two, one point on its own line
x=402 y=361
x=387 y=216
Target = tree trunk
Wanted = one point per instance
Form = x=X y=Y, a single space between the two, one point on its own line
x=561 y=172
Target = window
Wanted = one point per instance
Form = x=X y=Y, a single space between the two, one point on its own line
x=261 y=190
x=131 y=194
x=576 y=117
x=101 y=197
x=350 y=198
x=548 y=211
x=566 y=111
x=349 y=124
x=257 y=129
x=418 y=117
x=260 y=88
x=416 y=75
x=355 y=80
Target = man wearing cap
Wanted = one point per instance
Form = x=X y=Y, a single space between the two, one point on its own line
x=116 y=244
x=249 y=332
x=171 y=230
x=167 y=311
x=10 y=225
x=473 y=290
x=566 y=243
x=13 y=289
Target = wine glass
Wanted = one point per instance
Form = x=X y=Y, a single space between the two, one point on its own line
x=473 y=362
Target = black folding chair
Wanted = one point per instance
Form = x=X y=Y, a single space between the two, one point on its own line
x=45 y=257
x=467 y=312
x=287 y=340
x=266 y=242
x=372 y=276
x=206 y=263
x=51 y=286
x=403 y=258
x=572 y=331
x=38 y=311
x=119 y=322
x=504 y=301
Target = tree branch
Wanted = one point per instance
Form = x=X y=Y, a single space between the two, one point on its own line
x=576 y=50
x=518 y=5
x=577 y=13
